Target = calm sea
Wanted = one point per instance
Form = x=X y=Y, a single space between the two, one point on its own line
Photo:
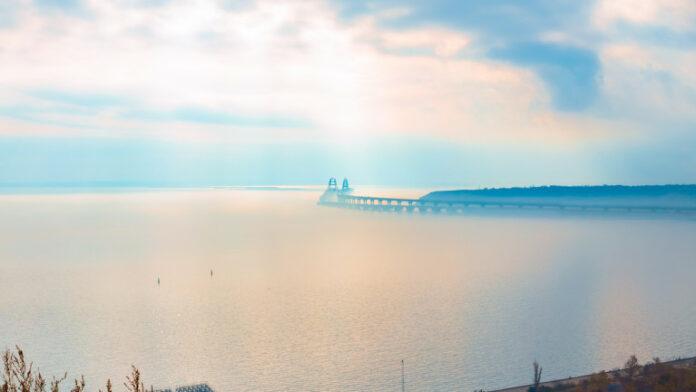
x=309 y=298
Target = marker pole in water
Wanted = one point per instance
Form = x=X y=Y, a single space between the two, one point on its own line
x=403 y=382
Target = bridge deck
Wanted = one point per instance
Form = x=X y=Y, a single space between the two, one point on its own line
x=411 y=205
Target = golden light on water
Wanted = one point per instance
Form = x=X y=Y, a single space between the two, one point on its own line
x=306 y=296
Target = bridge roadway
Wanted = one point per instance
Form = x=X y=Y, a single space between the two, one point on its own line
x=392 y=204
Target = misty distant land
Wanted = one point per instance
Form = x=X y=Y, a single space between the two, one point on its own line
x=605 y=195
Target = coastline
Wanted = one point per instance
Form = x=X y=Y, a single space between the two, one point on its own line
x=613 y=375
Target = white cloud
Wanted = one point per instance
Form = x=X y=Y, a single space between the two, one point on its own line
x=674 y=14
x=655 y=86
x=284 y=59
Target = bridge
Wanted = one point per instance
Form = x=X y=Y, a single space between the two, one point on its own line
x=344 y=198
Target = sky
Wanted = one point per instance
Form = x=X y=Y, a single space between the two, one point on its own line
x=439 y=93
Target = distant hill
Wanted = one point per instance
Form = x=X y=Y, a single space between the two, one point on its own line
x=669 y=195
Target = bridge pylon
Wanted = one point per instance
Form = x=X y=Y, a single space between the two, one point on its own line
x=345 y=187
x=333 y=184
x=332 y=193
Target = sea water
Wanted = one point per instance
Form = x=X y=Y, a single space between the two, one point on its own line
x=311 y=298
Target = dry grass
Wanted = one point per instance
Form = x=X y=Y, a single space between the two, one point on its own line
x=655 y=376
x=20 y=376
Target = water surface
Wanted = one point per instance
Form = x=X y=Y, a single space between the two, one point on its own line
x=309 y=298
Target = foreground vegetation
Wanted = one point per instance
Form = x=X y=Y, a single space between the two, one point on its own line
x=654 y=376
x=20 y=376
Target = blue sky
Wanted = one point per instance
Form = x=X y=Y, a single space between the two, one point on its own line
x=393 y=92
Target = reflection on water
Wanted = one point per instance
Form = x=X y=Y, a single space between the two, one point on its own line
x=311 y=298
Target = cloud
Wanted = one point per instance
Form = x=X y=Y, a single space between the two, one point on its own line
x=421 y=41
x=654 y=86
x=204 y=116
x=571 y=73
x=196 y=69
x=354 y=84
x=297 y=70
x=71 y=8
x=58 y=4
x=8 y=13
x=78 y=99
x=497 y=19
x=673 y=14
x=511 y=31
x=143 y=3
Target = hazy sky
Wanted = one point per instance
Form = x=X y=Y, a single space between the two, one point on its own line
x=394 y=92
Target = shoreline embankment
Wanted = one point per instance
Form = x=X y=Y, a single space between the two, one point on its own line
x=612 y=374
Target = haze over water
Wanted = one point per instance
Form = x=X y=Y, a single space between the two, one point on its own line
x=305 y=297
